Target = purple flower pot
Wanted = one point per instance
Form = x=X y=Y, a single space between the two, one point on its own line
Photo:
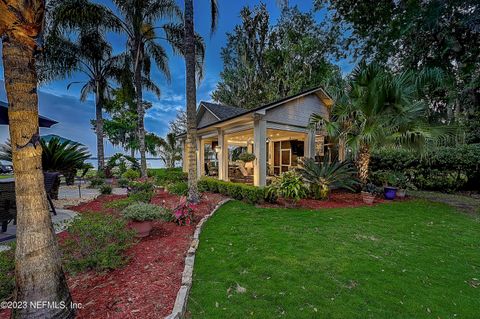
x=389 y=192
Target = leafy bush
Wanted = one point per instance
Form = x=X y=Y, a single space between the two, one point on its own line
x=144 y=212
x=7 y=273
x=246 y=157
x=178 y=188
x=444 y=168
x=96 y=181
x=165 y=176
x=238 y=191
x=123 y=182
x=105 y=189
x=141 y=191
x=321 y=178
x=290 y=186
x=131 y=174
x=96 y=241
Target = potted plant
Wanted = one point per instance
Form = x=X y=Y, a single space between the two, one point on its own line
x=368 y=193
x=389 y=180
x=141 y=216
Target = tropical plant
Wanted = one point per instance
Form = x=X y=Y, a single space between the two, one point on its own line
x=183 y=213
x=288 y=185
x=81 y=48
x=378 y=108
x=169 y=150
x=38 y=267
x=119 y=163
x=324 y=177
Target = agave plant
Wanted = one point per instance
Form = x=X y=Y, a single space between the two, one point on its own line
x=323 y=177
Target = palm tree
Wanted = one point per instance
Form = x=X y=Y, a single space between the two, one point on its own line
x=377 y=108
x=169 y=150
x=89 y=53
x=38 y=269
x=191 y=90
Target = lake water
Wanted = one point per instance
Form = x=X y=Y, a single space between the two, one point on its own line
x=151 y=163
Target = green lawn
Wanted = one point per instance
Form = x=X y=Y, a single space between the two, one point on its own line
x=400 y=260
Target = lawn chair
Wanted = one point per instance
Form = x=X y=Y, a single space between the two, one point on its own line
x=8 y=207
x=49 y=179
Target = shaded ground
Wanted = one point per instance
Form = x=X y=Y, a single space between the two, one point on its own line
x=464 y=203
x=411 y=259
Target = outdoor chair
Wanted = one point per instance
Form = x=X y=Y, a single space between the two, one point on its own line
x=49 y=180
x=8 y=208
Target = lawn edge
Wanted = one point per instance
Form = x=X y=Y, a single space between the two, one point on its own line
x=181 y=301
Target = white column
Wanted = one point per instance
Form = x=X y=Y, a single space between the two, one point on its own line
x=220 y=156
x=199 y=156
x=259 y=140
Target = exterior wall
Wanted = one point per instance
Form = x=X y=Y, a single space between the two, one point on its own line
x=207 y=118
x=297 y=112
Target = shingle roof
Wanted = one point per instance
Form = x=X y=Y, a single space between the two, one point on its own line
x=223 y=112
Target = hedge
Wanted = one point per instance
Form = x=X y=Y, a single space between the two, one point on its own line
x=251 y=194
x=444 y=169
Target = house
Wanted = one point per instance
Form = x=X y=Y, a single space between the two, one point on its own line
x=277 y=133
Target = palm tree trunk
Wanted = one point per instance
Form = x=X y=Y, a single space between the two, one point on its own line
x=140 y=111
x=363 y=163
x=38 y=269
x=99 y=129
x=191 y=95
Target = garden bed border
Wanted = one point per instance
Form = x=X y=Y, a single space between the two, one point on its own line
x=187 y=276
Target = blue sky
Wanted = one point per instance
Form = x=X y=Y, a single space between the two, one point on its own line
x=63 y=105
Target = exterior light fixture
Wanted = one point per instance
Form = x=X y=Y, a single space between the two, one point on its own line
x=218 y=149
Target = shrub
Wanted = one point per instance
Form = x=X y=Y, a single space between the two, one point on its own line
x=443 y=168
x=144 y=212
x=96 y=241
x=7 y=273
x=120 y=203
x=105 y=189
x=141 y=191
x=165 y=176
x=131 y=174
x=96 y=181
x=290 y=186
x=123 y=182
x=178 y=188
x=238 y=191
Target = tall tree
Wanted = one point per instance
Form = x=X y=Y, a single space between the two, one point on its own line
x=191 y=91
x=377 y=108
x=38 y=268
x=83 y=49
x=178 y=125
x=416 y=34
x=263 y=63
x=137 y=20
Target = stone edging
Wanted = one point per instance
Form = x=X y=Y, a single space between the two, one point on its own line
x=182 y=296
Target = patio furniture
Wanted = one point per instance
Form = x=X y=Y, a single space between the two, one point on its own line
x=8 y=207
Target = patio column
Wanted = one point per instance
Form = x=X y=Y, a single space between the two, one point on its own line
x=221 y=155
x=199 y=157
x=259 y=140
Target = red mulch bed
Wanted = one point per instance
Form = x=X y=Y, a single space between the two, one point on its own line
x=147 y=286
x=338 y=199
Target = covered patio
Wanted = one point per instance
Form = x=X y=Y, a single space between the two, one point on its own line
x=278 y=134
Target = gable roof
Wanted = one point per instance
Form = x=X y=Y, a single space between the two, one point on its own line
x=221 y=111
x=225 y=112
